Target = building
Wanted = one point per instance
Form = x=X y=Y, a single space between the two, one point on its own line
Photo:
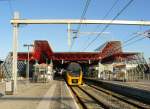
x=105 y=58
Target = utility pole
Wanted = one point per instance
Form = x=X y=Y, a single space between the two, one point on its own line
x=69 y=35
x=28 y=70
x=15 y=47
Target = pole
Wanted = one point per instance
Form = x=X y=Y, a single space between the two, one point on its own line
x=99 y=69
x=69 y=35
x=28 y=66
x=78 y=21
x=15 y=43
x=28 y=63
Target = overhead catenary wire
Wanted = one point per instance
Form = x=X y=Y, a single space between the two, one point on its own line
x=105 y=16
x=111 y=52
x=109 y=11
x=82 y=17
x=127 y=43
x=140 y=39
x=10 y=6
x=135 y=35
x=117 y=15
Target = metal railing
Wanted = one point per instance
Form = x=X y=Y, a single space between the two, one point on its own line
x=6 y=67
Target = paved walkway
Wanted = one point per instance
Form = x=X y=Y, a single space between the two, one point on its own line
x=143 y=85
x=52 y=95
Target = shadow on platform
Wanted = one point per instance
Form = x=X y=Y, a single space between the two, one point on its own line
x=35 y=98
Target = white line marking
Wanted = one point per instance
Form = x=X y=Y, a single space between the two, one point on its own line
x=61 y=107
x=44 y=104
x=77 y=107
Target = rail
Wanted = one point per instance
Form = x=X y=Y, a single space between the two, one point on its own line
x=138 y=98
x=83 y=104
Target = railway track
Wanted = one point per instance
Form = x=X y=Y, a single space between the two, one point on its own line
x=125 y=99
x=85 y=100
x=94 y=97
x=133 y=93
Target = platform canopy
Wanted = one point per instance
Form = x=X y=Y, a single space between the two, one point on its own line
x=43 y=52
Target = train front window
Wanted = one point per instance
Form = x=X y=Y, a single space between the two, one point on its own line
x=74 y=69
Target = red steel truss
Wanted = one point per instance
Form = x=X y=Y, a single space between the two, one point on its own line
x=42 y=51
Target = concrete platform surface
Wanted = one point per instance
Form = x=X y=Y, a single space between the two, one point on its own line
x=52 y=95
x=143 y=85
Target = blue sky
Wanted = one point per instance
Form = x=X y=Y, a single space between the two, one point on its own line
x=71 y=9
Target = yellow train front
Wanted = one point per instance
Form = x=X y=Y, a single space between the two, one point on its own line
x=74 y=74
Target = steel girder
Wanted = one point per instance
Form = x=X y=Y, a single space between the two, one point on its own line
x=42 y=52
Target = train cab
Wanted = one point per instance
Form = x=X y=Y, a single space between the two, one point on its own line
x=74 y=74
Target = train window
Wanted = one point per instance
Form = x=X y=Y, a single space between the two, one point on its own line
x=74 y=67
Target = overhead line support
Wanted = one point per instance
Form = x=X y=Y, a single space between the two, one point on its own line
x=17 y=21
x=78 y=21
x=69 y=35
x=15 y=47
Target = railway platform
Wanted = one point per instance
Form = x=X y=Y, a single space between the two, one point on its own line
x=57 y=95
x=130 y=90
x=52 y=95
x=141 y=84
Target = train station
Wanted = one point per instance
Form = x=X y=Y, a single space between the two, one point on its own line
x=45 y=67
x=43 y=54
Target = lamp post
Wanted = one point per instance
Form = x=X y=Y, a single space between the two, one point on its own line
x=27 y=71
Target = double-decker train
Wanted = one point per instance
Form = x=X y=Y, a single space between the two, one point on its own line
x=74 y=74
